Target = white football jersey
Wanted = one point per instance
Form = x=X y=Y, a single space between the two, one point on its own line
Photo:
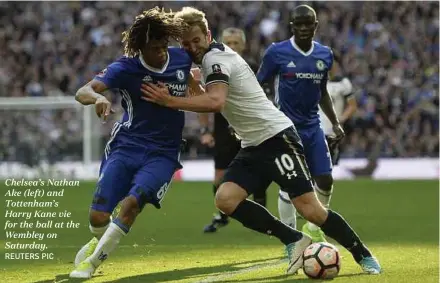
x=247 y=109
x=339 y=91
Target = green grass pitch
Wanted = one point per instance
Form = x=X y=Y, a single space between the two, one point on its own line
x=399 y=220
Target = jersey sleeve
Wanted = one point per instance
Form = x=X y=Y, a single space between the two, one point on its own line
x=268 y=65
x=331 y=59
x=216 y=69
x=111 y=76
x=347 y=88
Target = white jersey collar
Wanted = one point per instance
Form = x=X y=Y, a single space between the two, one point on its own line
x=152 y=69
x=296 y=47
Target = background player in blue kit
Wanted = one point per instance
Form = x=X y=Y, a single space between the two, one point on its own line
x=142 y=153
x=300 y=67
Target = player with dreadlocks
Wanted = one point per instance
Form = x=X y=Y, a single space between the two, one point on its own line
x=142 y=153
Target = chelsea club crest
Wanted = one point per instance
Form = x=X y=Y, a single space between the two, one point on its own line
x=320 y=65
x=180 y=75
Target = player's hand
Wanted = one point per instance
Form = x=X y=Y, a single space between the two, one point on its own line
x=339 y=134
x=103 y=108
x=196 y=74
x=207 y=139
x=158 y=94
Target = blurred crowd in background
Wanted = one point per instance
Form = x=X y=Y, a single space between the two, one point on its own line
x=390 y=51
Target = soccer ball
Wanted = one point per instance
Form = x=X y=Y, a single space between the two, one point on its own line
x=321 y=261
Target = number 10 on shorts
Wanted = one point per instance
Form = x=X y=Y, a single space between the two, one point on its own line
x=286 y=166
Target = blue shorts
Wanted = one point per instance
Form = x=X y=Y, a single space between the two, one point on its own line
x=141 y=173
x=316 y=150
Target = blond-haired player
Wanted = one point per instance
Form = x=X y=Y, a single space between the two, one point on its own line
x=271 y=148
x=222 y=138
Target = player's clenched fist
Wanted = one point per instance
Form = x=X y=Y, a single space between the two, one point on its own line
x=103 y=108
x=339 y=133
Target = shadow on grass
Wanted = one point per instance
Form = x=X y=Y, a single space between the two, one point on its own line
x=198 y=273
x=291 y=278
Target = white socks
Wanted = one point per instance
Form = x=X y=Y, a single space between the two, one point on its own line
x=99 y=231
x=107 y=244
x=286 y=210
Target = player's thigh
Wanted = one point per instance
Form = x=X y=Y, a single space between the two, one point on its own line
x=318 y=155
x=284 y=160
x=151 y=182
x=245 y=171
x=113 y=184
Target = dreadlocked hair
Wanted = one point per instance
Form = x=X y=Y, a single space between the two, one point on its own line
x=151 y=24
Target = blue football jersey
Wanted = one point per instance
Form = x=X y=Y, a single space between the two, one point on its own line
x=298 y=78
x=148 y=124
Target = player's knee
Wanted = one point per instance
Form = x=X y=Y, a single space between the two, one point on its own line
x=99 y=218
x=324 y=182
x=129 y=210
x=228 y=196
x=310 y=208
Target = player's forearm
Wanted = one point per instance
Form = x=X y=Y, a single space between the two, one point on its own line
x=86 y=95
x=348 y=112
x=201 y=104
x=328 y=109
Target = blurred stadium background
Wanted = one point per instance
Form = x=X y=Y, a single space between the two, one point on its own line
x=389 y=50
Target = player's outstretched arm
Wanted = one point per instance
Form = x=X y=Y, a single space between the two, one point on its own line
x=349 y=96
x=350 y=109
x=91 y=94
x=212 y=101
